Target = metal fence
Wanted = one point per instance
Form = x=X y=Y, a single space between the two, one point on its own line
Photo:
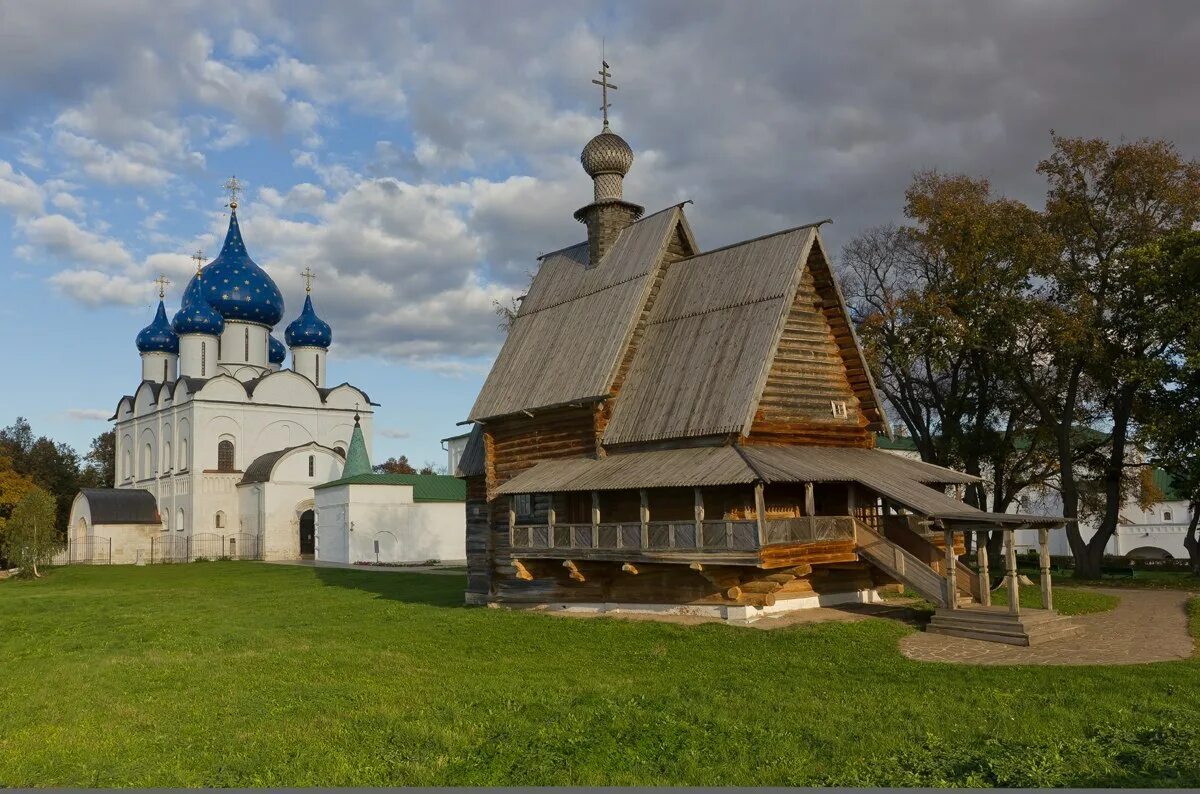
x=205 y=546
x=86 y=551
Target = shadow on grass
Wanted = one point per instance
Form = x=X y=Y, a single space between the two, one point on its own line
x=436 y=590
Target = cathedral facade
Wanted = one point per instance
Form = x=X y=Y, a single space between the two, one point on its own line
x=221 y=437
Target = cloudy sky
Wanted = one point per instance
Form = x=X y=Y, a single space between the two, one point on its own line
x=420 y=156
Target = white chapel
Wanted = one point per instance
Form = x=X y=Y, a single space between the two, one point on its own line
x=219 y=439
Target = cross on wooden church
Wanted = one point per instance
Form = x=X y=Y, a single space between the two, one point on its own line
x=604 y=86
x=162 y=283
x=233 y=186
x=308 y=278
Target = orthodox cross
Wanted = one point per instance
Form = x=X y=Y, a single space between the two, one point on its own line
x=198 y=257
x=233 y=187
x=308 y=278
x=162 y=283
x=604 y=87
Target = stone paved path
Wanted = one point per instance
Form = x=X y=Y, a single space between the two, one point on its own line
x=1147 y=626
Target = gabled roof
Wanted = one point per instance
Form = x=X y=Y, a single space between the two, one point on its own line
x=566 y=341
x=261 y=467
x=711 y=339
x=426 y=487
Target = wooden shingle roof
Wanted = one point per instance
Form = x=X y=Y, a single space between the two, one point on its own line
x=574 y=325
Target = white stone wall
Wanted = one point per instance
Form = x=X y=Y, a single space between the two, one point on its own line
x=160 y=367
x=352 y=518
x=285 y=410
x=310 y=362
x=198 y=355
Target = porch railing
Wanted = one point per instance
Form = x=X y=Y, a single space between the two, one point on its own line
x=740 y=535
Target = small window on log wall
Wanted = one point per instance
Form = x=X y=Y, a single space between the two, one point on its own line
x=839 y=408
x=523 y=504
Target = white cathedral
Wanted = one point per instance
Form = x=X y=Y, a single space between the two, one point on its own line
x=220 y=448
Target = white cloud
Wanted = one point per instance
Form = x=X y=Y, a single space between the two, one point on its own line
x=63 y=239
x=243 y=44
x=18 y=193
x=391 y=432
x=89 y=414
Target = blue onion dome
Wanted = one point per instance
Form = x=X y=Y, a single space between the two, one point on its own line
x=198 y=317
x=276 y=352
x=235 y=286
x=308 y=329
x=157 y=337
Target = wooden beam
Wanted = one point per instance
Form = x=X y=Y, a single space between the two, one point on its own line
x=574 y=569
x=760 y=513
x=1014 y=591
x=951 y=572
x=644 y=517
x=1044 y=564
x=522 y=572
x=698 y=515
x=595 y=510
x=985 y=578
x=697 y=566
x=810 y=500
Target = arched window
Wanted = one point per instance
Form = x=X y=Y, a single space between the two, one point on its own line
x=183 y=460
x=203 y=359
x=179 y=523
x=128 y=472
x=1167 y=515
x=147 y=461
x=317 y=367
x=164 y=370
x=225 y=461
x=247 y=344
x=340 y=450
x=219 y=520
x=166 y=456
x=312 y=464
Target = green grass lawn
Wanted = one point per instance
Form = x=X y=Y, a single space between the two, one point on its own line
x=247 y=674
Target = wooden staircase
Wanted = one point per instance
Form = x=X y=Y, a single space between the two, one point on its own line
x=900 y=564
x=910 y=558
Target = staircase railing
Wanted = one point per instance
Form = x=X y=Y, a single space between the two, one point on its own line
x=914 y=542
x=901 y=564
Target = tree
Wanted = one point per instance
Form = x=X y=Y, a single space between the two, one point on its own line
x=102 y=461
x=29 y=537
x=1170 y=418
x=1091 y=350
x=930 y=300
x=51 y=465
x=398 y=465
x=13 y=487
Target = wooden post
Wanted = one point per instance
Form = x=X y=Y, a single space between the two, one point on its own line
x=595 y=518
x=1044 y=548
x=1014 y=591
x=551 y=514
x=644 y=513
x=512 y=520
x=698 y=515
x=985 y=579
x=951 y=580
x=760 y=512
x=810 y=501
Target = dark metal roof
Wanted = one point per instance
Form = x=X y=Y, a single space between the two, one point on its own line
x=471 y=463
x=260 y=469
x=121 y=506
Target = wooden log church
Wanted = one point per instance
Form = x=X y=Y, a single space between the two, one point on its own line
x=667 y=429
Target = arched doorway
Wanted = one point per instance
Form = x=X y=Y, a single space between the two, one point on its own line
x=308 y=535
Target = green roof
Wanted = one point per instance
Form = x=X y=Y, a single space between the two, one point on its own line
x=1165 y=483
x=357 y=461
x=898 y=442
x=426 y=487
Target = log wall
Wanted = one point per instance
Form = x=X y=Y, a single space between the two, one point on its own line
x=809 y=373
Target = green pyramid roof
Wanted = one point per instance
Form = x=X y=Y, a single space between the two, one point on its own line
x=357 y=460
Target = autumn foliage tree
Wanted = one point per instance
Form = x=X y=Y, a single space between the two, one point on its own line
x=29 y=538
